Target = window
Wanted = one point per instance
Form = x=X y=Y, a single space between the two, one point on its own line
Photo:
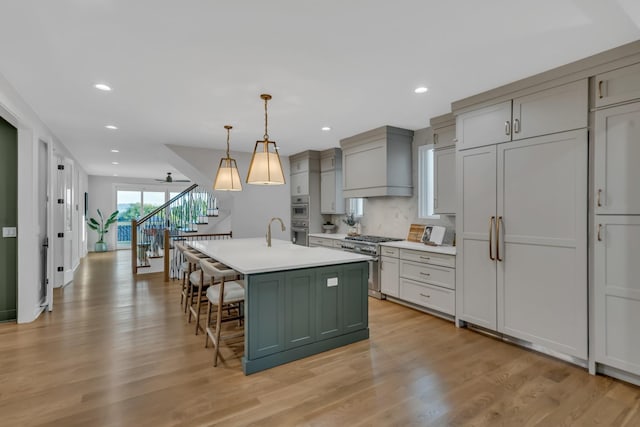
x=425 y=182
x=356 y=205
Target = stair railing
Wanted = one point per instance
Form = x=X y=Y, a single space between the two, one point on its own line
x=152 y=234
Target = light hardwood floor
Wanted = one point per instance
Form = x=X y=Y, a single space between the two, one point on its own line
x=118 y=352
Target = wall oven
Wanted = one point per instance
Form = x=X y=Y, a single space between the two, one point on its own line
x=300 y=208
x=300 y=233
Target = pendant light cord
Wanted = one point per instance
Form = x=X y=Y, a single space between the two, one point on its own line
x=228 y=128
x=266 y=134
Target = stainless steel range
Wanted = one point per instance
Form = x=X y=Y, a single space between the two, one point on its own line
x=369 y=245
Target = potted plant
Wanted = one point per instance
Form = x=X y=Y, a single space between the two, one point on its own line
x=328 y=227
x=102 y=228
x=350 y=220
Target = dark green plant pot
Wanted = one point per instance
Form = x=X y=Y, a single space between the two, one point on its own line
x=101 y=246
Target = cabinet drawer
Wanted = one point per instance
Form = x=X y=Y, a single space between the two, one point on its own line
x=435 y=275
x=440 y=299
x=429 y=257
x=387 y=251
x=318 y=241
x=618 y=85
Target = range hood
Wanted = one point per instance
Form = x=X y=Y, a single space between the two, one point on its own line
x=377 y=163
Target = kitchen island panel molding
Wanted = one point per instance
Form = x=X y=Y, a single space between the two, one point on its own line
x=298 y=313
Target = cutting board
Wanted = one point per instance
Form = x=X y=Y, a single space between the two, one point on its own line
x=415 y=232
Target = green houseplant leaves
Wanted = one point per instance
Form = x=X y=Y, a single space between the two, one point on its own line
x=102 y=227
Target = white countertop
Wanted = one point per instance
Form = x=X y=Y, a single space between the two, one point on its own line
x=334 y=236
x=416 y=246
x=250 y=256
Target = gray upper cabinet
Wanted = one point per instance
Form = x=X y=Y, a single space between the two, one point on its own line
x=444 y=164
x=445 y=136
x=617 y=174
x=444 y=181
x=305 y=167
x=617 y=86
x=377 y=163
x=544 y=112
x=484 y=126
x=331 y=199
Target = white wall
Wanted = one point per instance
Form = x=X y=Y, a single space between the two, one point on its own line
x=102 y=195
x=392 y=216
x=254 y=206
x=30 y=131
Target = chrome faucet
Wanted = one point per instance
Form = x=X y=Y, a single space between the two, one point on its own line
x=269 y=230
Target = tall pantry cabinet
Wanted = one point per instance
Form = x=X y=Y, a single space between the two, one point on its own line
x=616 y=203
x=522 y=189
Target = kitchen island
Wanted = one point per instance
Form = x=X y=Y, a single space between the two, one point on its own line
x=299 y=301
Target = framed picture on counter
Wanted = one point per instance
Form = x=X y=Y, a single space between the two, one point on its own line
x=433 y=235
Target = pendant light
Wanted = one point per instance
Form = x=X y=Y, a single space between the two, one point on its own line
x=228 y=178
x=265 y=167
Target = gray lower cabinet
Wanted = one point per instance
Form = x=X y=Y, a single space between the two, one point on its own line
x=617 y=292
x=294 y=314
x=428 y=279
x=389 y=273
x=265 y=306
x=355 y=305
x=300 y=300
x=329 y=302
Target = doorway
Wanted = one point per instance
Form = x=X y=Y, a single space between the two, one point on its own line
x=8 y=221
x=44 y=291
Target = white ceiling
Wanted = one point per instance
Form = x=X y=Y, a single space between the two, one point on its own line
x=181 y=70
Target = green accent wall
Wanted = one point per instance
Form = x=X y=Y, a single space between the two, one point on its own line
x=8 y=218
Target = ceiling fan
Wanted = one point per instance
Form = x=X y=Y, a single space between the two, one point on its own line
x=169 y=178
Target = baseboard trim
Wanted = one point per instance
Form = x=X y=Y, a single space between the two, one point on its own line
x=529 y=346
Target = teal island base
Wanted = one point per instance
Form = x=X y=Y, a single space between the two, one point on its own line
x=297 y=313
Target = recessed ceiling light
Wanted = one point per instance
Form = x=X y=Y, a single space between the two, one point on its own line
x=112 y=127
x=326 y=128
x=115 y=163
x=115 y=151
x=115 y=174
x=421 y=89
x=103 y=87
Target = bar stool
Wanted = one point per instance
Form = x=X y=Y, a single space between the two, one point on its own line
x=183 y=266
x=228 y=291
x=191 y=280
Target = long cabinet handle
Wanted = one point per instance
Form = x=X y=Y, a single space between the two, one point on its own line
x=507 y=127
x=600 y=95
x=425 y=295
x=491 y=223
x=599 y=197
x=599 y=232
x=498 y=238
x=516 y=125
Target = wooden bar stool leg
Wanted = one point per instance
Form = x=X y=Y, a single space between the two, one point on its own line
x=206 y=327
x=187 y=289
x=216 y=342
x=199 y=302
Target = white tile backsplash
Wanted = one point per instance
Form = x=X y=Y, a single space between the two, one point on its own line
x=392 y=217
